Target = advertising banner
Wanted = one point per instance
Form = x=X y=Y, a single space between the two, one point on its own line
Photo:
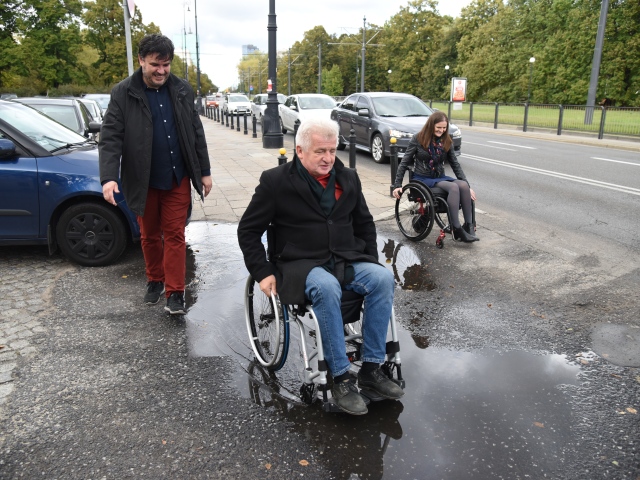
x=458 y=89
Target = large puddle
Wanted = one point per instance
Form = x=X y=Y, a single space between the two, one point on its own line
x=479 y=414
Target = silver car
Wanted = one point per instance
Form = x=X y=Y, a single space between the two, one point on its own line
x=302 y=106
x=259 y=104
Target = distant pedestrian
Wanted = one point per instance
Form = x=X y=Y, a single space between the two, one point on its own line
x=152 y=138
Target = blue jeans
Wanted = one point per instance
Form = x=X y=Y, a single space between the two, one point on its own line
x=376 y=284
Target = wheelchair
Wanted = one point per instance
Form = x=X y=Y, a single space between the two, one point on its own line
x=268 y=325
x=419 y=207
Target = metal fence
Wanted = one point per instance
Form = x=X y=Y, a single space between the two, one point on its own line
x=618 y=121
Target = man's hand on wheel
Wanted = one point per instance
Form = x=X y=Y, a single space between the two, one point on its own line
x=268 y=285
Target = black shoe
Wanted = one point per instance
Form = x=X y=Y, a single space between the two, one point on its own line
x=468 y=227
x=154 y=291
x=380 y=383
x=461 y=235
x=347 y=398
x=175 y=304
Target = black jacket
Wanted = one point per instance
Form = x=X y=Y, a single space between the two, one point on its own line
x=127 y=134
x=419 y=157
x=304 y=236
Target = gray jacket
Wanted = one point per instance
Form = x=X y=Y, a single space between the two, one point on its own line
x=126 y=138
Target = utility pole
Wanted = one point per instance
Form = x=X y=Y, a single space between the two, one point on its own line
x=319 y=68
x=127 y=34
x=364 y=30
x=595 y=64
x=195 y=8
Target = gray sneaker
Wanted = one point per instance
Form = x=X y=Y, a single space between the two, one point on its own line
x=380 y=383
x=154 y=292
x=175 y=304
x=348 y=399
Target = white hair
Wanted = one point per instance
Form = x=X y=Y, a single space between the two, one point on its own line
x=322 y=126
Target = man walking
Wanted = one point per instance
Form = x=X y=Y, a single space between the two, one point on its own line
x=153 y=140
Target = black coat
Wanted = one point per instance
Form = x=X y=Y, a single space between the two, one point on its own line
x=419 y=157
x=304 y=236
x=127 y=133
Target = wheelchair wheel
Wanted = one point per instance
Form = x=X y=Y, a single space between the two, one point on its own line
x=267 y=327
x=415 y=212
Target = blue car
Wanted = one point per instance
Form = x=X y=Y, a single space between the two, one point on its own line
x=50 y=192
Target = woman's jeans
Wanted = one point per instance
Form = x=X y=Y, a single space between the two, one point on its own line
x=376 y=284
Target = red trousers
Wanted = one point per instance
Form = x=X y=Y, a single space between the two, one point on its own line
x=162 y=235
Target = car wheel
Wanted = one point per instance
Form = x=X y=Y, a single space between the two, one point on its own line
x=91 y=235
x=284 y=130
x=377 y=149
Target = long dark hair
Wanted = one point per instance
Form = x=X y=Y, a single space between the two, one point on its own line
x=426 y=135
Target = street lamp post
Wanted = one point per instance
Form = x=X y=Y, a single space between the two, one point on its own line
x=195 y=9
x=389 y=80
x=532 y=60
x=446 y=69
x=271 y=131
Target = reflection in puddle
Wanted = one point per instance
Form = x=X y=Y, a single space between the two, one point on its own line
x=408 y=270
x=480 y=414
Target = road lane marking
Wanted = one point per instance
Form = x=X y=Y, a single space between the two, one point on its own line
x=490 y=146
x=564 y=176
x=609 y=160
x=511 y=145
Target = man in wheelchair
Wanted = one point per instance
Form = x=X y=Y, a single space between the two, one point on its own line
x=325 y=242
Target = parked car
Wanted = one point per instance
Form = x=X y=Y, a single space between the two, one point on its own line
x=94 y=109
x=259 y=104
x=377 y=116
x=304 y=105
x=68 y=111
x=8 y=96
x=50 y=192
x=236 y=104
x=102 y=99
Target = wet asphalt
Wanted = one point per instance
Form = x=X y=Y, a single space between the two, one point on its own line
x=508 y=376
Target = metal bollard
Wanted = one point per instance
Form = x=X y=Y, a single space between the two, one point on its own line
x=226 y=116
x=560 y=115
x=255 y=121
x=526 y=117
x=238 y=124
x=471 y=114
x=296 y=126
x=394 y=163
x=352 y=149
x=495 y=119
x=245 y=124
x=231 y=115
x=215 y=114
x=282 y=159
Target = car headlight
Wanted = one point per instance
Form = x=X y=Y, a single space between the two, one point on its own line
x=399 y=133
x=457 y=133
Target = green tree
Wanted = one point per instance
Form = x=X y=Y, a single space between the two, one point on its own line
x=106 y=34
x=332 y=81
x=49 y=42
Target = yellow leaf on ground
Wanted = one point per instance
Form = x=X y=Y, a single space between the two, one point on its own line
x=584 y=362
x=632 y=410
x=538 y=424
x=304 y=463
x=124 y=276
x=268 y=466
x=164 y=442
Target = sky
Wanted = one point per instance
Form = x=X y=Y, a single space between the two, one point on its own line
x=223 y=27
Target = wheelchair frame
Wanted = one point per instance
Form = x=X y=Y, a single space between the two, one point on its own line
x=268 y=329
x=419 y=206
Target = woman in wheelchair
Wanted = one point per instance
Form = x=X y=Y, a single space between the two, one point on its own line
x=427 y=153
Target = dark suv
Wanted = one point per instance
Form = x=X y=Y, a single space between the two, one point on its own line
x=377 y=116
